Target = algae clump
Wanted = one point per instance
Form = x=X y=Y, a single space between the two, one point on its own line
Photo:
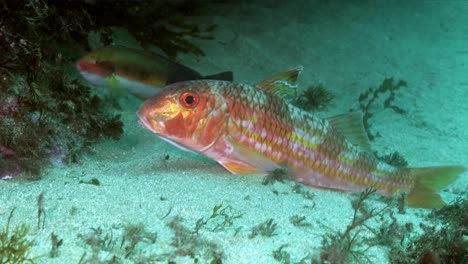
x=14 y=244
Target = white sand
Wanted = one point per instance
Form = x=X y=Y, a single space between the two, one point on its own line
x=346 y=47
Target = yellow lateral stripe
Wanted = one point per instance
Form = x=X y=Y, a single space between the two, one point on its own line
x=296 y=157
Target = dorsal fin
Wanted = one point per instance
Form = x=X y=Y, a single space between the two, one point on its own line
x=283 y=84
x=351 y=127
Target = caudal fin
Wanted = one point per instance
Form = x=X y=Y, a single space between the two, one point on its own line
x=429 y=181
x=223 y=76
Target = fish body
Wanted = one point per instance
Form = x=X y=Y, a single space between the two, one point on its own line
x=142 y=73
x=249 y=129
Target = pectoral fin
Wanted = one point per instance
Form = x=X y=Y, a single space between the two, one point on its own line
x=244 y=160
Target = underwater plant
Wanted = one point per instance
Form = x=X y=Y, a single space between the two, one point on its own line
x=134 y=234
x=171 y=32
x=189 y=243
x=119 y=246
x=350 y=246
x=369 y=98
x=314 y=98
x=56 y=244
x=99 y=240
x=14 y=244
x=41 y=213
x=93 y=181
x=162 y=23
x=282 y=255
x=47 y=115
x=50 y=117
x=395 y=159
x=298 y=221
x=266 y=229
x=277 y=175
x=443 y=242
x=220 y=218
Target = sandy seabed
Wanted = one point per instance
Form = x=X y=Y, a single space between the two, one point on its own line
x=347 y=46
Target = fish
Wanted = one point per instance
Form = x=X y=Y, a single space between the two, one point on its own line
x=141 y=73
x=251 y=129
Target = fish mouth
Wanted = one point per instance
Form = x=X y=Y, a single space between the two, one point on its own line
x=80 y=66
x=84 y=65
x=99 y=69
x=148 y=124
x=144 y=122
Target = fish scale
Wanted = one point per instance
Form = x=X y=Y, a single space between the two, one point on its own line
x=306 y=141
x=251 y=129
x=139 y=72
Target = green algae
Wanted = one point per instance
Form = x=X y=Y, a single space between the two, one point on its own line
x=386 y=91
x=48 y=116
x=15 y=247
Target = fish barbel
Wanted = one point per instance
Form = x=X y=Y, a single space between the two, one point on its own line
x=142 y=73
x=250 y=129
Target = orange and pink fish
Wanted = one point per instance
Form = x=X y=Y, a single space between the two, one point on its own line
x=141 y=73
x=251 y=129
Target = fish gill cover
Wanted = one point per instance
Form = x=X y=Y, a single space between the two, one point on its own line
x=47 y=115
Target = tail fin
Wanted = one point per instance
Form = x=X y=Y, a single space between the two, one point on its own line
x=430 y=180
x=223 y=76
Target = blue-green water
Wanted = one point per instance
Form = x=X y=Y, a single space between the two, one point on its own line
x=346 y=46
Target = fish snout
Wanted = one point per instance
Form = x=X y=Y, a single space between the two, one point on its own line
x=143 y=121
x=146 y=116
x=91 y=66
x=80 y=65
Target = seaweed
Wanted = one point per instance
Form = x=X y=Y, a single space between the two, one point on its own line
x=130 y=236
x=50 y=117
x=221 y=217
x=314 y=98
x=99 y=240
x=120 y=248
x=266 y=229
x=349 y=245
x=282 y=255
x=41 y=213
x=191 y=244
x=298 y=221
x=368 y=99
x=93 y=181
x=56 y=244
x=134 y=234
x=96 y=259
x=14 y=244
x=277 y=175
x=443 y=242
x=172 y=34
x=163 y=23
x=47 y=115
x=395 y=159
x=305 y=192
x=454 y=214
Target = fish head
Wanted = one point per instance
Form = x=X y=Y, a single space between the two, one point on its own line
x=190 y=115
x=96 y=67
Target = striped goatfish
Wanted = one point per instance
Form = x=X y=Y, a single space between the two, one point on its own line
x=141 y=73
x=250 y=129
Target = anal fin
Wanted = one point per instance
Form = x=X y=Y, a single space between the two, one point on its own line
x=237 y=167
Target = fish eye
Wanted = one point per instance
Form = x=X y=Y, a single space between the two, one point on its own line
x=189 y=99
